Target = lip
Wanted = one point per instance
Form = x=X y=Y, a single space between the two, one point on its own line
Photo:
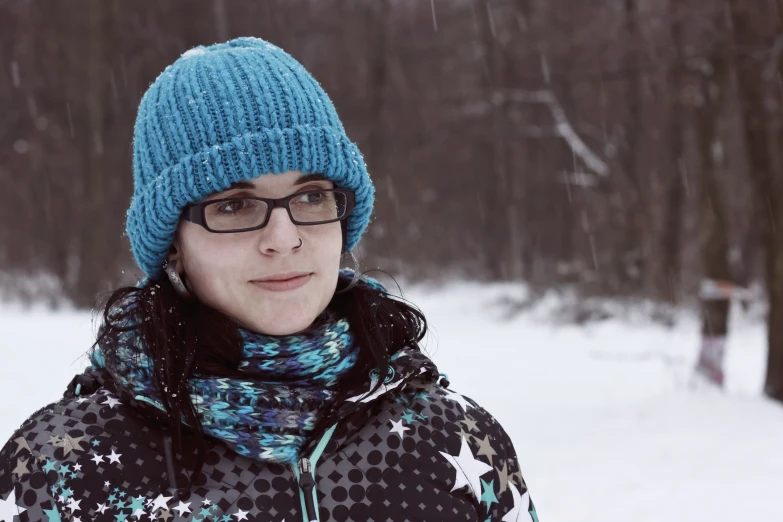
x=283 y=282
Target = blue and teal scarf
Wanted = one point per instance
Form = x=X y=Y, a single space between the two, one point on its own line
x=268 y=415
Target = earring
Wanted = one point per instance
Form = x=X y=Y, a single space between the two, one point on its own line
x=176 y=280
x=356 y=275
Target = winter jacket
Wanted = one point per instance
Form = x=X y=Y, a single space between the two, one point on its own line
x=412 y=451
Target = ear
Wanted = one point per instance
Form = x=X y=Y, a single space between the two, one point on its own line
x=175 y=255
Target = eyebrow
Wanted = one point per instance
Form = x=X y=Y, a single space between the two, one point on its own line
x=304 y=179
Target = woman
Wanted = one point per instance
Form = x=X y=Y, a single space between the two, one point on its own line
x=247 y=377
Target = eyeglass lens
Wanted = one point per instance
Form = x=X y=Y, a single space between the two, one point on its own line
x=308 y=207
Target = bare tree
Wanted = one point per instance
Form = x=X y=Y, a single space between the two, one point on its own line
x=758 y=63
x=713 y=73
x=509 y=139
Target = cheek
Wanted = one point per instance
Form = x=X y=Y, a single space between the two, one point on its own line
x=328 y=241
x=210 y=254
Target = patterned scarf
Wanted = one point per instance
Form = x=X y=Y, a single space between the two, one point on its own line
x=268 y=415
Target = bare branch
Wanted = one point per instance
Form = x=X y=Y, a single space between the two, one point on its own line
x=562 y=125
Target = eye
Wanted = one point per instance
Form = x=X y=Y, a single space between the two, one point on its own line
x=312 y=197
x=234 y=205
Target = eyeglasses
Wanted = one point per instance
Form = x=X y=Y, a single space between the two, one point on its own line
x=241 y=214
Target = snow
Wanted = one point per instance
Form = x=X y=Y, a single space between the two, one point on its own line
x=605 y=424
x=196 y=51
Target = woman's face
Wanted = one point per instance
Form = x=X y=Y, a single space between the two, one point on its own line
x=221 y=268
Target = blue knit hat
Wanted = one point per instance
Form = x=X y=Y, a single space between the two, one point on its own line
x=231 y=112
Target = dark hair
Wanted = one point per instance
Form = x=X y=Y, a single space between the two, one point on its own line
x=182 y=336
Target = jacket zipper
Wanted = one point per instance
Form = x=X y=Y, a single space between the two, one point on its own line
x=307 y=490
x=305 y=477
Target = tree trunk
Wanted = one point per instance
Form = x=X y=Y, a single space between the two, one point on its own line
x=631 y=263
x=675 y=191
x=715 y=305
x=756 y=30
x=504 y=262
x=89 y=266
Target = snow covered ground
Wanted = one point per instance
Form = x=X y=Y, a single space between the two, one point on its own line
x=603 y=420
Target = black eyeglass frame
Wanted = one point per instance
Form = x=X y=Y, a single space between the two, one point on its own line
x=196 y=213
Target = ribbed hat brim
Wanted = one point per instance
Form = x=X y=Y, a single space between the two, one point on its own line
x=156 y=208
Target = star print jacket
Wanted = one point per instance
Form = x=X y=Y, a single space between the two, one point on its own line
x=412 y=451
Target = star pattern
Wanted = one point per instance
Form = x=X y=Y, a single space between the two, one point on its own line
x=52 y=514
x=485 y=448
x=398 y=428
x=459 y=399
x=21 y=468
x=182 y=508
x=49 y=466
x=71 y=444
x=466 y=435
x=468 y=469
x=9 y=509
x=409 y=416
x=160 y=502
x=469 y=454
x=111 y=401
x=520 y=508
x=470 y=424
x=503 y=476
x=488 y=497
x=73 y=504
x=114 y=457
x=136 y=504
x=21 y=445
x=422 y=396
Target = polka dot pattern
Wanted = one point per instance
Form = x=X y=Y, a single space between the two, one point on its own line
x=417 y=452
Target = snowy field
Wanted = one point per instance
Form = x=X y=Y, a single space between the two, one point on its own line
x=603 y=419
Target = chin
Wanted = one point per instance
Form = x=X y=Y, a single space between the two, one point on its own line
x=279 y=327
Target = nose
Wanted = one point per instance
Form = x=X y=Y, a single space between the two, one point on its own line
x=280 y=236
